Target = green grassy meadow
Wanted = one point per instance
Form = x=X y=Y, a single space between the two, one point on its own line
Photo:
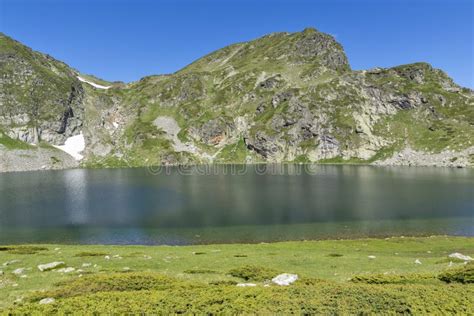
x=335 y=276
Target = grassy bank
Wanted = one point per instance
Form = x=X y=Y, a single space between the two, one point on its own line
x=334 y=276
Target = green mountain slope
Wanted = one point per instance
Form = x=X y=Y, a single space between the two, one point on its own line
x=285 y=97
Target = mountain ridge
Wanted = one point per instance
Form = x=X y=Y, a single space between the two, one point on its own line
x=284 y=97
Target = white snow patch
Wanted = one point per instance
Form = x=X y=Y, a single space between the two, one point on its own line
x=460 y=256
x=95 y=85
x=285 y=279
x=417 y=261
x=74 y=146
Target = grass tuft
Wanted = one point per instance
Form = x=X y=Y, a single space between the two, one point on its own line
x=90 y=254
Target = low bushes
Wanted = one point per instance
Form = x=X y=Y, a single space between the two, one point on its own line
x=459 y=275
x=254 y=273
x=392 y=278
x=152 y=293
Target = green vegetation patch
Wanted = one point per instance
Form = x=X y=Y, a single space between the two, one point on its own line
x=459 y=275
x=112 y=282
x=151 y=293
x=392 y=278
x=170 y=280
x=23 y=250
x=254 y=273
x=10 y=143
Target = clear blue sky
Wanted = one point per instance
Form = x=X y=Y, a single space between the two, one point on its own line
x=128 y=39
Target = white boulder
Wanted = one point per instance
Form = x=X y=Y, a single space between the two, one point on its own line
x=246 y=284
x=285 y=279
x=18 y=271
x=460 y=256
x=10 y=262
x=51 y=265
x=47 y=300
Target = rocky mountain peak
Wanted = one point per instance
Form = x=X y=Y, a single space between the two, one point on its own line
x=284 y=97
x=308 y=47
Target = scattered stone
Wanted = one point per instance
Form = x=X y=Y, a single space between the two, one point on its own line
x=450 y=264
x=285 y=279
x=417 y=261
x=18 y=271
x=87 y=264
x=57 y=249
x=47 y=300
x=246 y=284
x=10 y=262
x=147 y=257
x=51 y=266
x=126 y=269
x=372 y=257
x=23 y=276
x=1 y=272
x=66 y=270
x=107 y=257
x=460 y=256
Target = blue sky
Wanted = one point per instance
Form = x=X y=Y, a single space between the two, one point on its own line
x=128 y=39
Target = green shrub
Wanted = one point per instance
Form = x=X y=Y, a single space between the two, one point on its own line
x=119 y=281
x=392 y=278
x=459 y=275
x=23 y=250
x=253 y=273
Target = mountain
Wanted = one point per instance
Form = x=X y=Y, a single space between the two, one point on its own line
x=285 y=97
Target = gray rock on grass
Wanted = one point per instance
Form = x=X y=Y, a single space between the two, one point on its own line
x=51 y=266
x=285 y=279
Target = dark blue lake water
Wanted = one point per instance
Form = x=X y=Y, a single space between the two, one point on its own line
x=222 y=204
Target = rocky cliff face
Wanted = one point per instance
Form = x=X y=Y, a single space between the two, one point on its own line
x=281 y=98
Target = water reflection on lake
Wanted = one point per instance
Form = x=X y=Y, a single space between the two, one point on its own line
x=233 y=204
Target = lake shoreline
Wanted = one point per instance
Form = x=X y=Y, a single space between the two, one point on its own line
x=394 y=162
